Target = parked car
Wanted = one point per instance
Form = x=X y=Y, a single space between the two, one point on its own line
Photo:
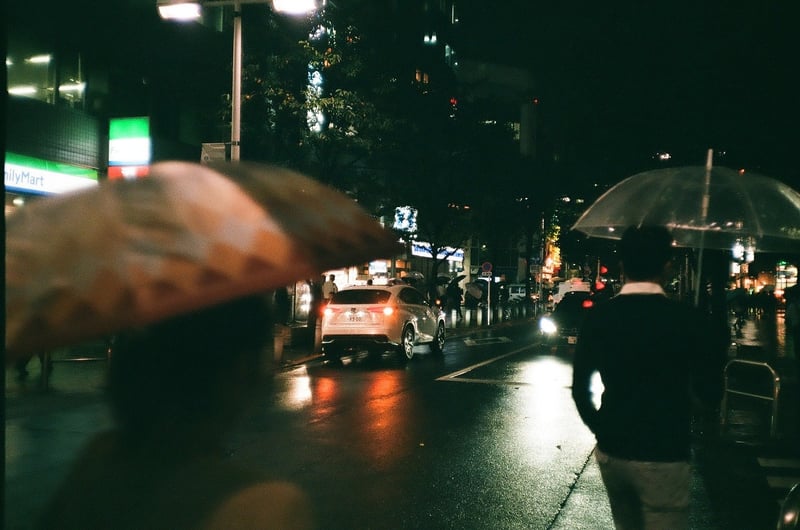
x=562 y=325
x=380 y=318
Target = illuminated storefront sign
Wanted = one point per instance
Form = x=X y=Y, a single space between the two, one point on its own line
x=129 y=147
x=423 y=250
x=378 y=267
x=33 y=175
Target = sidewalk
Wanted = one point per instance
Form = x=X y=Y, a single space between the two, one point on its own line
x=728 y=489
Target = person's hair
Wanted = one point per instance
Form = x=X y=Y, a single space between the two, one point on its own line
x=190 y=369
x=644 y=251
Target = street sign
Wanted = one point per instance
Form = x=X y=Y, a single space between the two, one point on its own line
x=486 y=274
x=486 y=267
x=212 y=152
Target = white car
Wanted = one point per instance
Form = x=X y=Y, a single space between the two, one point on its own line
x=380 y=318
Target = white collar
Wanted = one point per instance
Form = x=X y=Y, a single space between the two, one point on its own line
x=642 y=288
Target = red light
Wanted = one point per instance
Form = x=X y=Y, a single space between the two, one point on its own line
x=587 y=304
x=603 y=269
x=599 y=286
x=453 y=101
x=384 y=309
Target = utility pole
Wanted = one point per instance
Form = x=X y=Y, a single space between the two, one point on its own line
x=541 y=264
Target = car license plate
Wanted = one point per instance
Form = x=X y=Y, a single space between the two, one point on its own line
x=572 y=340
x=354 y=317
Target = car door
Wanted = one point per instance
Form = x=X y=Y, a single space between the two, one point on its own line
x=414 y=302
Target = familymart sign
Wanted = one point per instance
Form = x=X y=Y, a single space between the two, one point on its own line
x=33 y=175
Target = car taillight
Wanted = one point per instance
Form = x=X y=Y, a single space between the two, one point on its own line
x=385 y=309
x=587 y=304
x=327 y=311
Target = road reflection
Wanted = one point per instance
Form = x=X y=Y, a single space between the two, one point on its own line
x=296 y=394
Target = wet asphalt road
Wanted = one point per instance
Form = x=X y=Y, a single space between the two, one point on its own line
x=484 y=436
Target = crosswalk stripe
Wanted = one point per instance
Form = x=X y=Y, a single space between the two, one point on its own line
x=780 y=462
x=782 y=483
x=781 y=474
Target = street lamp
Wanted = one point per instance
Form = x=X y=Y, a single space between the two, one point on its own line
x=181 y=10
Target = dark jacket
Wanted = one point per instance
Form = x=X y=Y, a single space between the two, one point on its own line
x=657 y=359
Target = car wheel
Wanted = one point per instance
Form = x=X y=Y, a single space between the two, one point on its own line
x=438 y=340
x=406 y=348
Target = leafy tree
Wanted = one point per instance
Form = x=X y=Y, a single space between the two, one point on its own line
x=281 y=108
x=387 y=138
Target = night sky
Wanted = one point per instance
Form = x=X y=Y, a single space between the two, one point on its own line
x=619 y=81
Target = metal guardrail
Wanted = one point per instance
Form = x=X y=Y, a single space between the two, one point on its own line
x=47 y=360
x=737 y=384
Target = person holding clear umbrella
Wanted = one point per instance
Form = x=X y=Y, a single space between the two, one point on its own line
x=658 y=360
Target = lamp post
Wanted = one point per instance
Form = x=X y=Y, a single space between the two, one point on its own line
x=181 y=10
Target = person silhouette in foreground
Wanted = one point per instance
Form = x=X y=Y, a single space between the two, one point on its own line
x=176 y=388
x=660 y=361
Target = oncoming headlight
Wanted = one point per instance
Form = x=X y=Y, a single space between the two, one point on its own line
x=547 y=326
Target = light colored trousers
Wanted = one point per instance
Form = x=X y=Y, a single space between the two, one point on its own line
x=646 y=495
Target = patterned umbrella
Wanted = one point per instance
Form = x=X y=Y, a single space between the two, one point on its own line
x=128 y=253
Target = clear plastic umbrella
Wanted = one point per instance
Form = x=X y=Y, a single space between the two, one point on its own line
x=703 y=206
x=752 y=209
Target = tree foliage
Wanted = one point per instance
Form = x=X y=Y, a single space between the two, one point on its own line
x=389 y=138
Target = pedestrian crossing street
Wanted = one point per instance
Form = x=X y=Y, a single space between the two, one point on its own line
x=781 y=474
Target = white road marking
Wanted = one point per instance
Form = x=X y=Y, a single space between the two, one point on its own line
x=781 y=474
x=486 y=381
x=779 y=462
x=781 y=483
x=489 y=340
x=452 y=376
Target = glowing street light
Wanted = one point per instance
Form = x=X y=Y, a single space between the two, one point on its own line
x=180 y=10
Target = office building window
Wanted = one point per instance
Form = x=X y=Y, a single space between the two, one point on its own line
x=46 y=77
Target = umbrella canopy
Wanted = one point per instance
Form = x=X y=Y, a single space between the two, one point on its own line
x=443 y=279
x=129 y=253
x=754 y=210
x=457 y=279
x=477 y=289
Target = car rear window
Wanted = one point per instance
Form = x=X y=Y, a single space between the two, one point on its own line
x=361 y=296
x=572 y=301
